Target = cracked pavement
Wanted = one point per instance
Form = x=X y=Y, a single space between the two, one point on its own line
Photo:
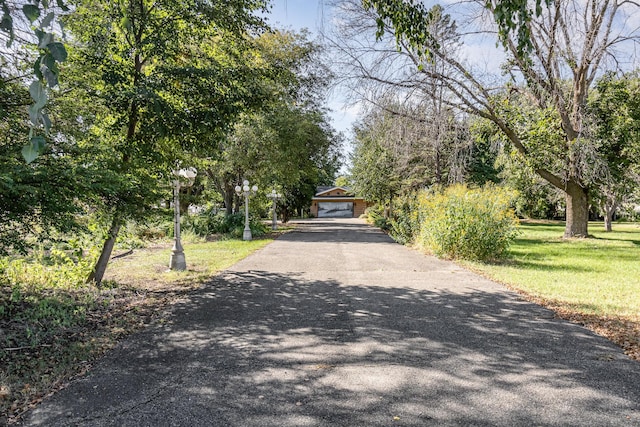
x=336 y=325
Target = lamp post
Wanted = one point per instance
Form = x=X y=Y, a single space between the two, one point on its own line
x=246 y=191
x=274 y=196
x=184 y=178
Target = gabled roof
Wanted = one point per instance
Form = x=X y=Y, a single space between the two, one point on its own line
x=327 y=189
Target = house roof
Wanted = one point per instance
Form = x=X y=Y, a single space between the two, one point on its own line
x=326 y=189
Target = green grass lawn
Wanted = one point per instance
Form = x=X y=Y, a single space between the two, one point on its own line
x=595 y=281
x=203 y=260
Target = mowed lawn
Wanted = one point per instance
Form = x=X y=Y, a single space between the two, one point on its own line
x=593 y=281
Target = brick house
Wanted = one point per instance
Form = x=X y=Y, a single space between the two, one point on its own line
x=336 y=202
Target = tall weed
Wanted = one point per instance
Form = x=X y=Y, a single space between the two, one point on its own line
x=464 y=223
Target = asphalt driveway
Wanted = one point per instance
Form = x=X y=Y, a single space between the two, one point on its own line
x=336 y=325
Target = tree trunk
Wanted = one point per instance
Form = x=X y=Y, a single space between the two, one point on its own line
x=228 y=198
x=577 y=211
x=608 y=218
x=101 y=265
x=388 y=212
x=609 y=210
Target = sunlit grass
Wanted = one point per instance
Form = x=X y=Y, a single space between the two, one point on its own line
x=600 y=275
x=151 y=265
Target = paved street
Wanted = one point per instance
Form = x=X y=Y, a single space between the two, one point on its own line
x=336 y=325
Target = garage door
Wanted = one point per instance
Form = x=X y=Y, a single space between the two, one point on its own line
x=335 y=210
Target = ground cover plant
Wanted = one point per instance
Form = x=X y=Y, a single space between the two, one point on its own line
x=53 y=325
x=594 y=281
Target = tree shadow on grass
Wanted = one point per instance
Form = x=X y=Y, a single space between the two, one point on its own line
x=264 y=349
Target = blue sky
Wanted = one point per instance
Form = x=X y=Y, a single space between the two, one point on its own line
x=299 y=14
x=313 y=15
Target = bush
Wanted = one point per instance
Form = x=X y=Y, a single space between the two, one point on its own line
x=475 y=224
x=405 y=224
x=234 y=225
x=210 y=222
x=375 y=216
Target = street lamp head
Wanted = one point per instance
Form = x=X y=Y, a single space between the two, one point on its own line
x=238 y=189
x=189 y=173
x=245 y=183
x=245 y=187
x=254 y=188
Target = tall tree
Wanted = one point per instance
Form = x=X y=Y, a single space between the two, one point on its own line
x=614 y=124
x=171 y=76
x=374 y=173
x=288 y=141
x=289 y=148
x=558 y=54
x=41 y=197
x=402 y=146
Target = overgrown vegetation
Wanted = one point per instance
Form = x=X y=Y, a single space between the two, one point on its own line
x=210 y=222
x=464 y=223
x=458 y=222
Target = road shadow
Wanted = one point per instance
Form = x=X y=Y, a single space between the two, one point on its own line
x=259 y=348
x=336 y=231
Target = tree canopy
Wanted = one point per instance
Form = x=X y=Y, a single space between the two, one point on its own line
x=554 y=51
x=148 y=86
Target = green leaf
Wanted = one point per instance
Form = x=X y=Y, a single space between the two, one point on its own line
x=34 y=115
x=38 y=94
x=50 y=77
x=50 y=70
x=47 y=123
x=31 y=11
x=48 y=19
x=62 y=6
x=45 y=39
x=38 y=142
x=50 y=62
x=36 y=68
x=31 y=151
x=58 y=51
x=6 y=24
x=29 y=154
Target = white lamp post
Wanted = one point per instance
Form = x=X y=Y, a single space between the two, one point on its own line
x=246 y=191
x=184 y=178
x=274 y=196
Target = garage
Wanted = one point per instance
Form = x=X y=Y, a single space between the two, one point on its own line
x=335 y=209
x=336 y=202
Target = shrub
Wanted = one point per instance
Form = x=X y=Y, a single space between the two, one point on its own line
x=234 y=225
x=210 y=222
x=404 y=226
x=375 y=216
x=475 y=224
